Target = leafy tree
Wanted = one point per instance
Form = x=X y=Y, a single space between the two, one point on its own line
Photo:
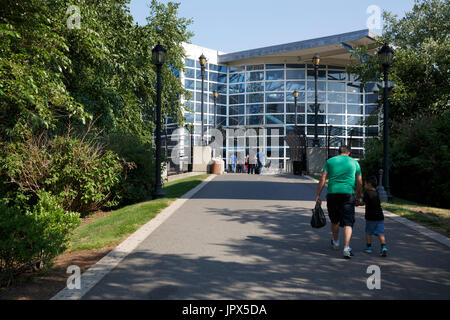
x=421 y=67
x=419 y=102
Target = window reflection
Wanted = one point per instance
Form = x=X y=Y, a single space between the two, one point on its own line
x=321 y=74
x=321 y=96
x=189 y=62
x=237 y=68
x=237 y=88
x=275 y=108
x=321 y=108
x=290 y=118
x=336 y=108
x=255 y=97
x=189 y=73
x=321 y=86
x=255 y=67
x=274 y=97
x=275 y=86
x=295 y=85
x=354 y=87
x=336 y=75
x=355 y=109
x=333 y=119
x=236 y=77
x=295 y=74
x=336 y=97
x=255 y=120
x=189 y=84
x=255 y=86
x=290 y=108
x=255 y=76
x=233 y=110
x=336 y=86
x=275 y=75
x=320 y=119
x=274 y=66
x=295 y=66
x=237 y=99
x=274 y=119
x=255 y=108
x=354 y=120
x=355 y=98
x=222 y=78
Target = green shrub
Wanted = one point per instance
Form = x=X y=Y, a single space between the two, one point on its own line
x=137 y=184
x=420 y=159
x=81 y=174
x=34 y=237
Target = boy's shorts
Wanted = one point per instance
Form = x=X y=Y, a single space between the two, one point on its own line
x=341 y=208
x=374 y=227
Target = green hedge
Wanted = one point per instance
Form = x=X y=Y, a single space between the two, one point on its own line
x=420 y=160
x=32 y=238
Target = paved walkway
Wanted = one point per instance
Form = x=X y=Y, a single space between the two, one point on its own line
x=249 y=237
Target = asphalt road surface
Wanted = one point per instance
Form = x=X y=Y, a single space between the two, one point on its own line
x=249 y=237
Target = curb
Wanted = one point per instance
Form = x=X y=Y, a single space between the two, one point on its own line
x=413 y=225
x=95 y=273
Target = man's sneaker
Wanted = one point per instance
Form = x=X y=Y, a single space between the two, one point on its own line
x=348 y=254
x=368 y=250
x=335 y=244
x=383 y=252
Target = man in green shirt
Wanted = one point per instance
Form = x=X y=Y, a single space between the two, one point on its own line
x=344 y=173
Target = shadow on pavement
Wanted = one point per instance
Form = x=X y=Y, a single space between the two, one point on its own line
x=292 y=261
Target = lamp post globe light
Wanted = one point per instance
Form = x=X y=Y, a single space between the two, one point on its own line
x=202 y=60
x=158 y=57
x=385 y=57
x=315 y=61
x=295 y=94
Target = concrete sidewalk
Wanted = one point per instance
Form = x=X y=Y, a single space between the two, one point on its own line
x=248 y=237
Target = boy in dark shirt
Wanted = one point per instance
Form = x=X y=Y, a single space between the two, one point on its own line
x=374 y=216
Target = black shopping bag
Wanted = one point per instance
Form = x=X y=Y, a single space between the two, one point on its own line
x=318 y=219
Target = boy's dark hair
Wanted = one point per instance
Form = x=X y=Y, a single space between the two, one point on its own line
x=372 y=180
x=344 y=149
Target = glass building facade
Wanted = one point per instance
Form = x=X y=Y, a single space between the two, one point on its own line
x=259 y=96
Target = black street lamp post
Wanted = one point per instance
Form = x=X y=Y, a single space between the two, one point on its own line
x=385 y=56
x=295 y=94
x=202 y=60
x=215 y=95
x=316 y=61
x=159 y=57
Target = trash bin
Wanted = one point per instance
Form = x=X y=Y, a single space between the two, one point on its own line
x=215 y=168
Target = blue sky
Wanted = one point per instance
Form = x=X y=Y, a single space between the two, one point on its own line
x=234 y=25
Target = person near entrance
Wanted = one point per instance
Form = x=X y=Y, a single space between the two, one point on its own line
x=233 y=159
x=252 y=162
x=246 y=162
x=344 y=175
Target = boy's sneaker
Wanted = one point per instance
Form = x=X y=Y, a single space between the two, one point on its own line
x=368 y=250
x=348 y=253
x=383 y=252
x=335 y=244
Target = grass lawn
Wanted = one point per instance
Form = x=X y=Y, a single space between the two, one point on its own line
x=119 y=224
x=317 y=177
x=436 y=219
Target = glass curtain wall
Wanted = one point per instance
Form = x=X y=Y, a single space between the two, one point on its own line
x=261 y=96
